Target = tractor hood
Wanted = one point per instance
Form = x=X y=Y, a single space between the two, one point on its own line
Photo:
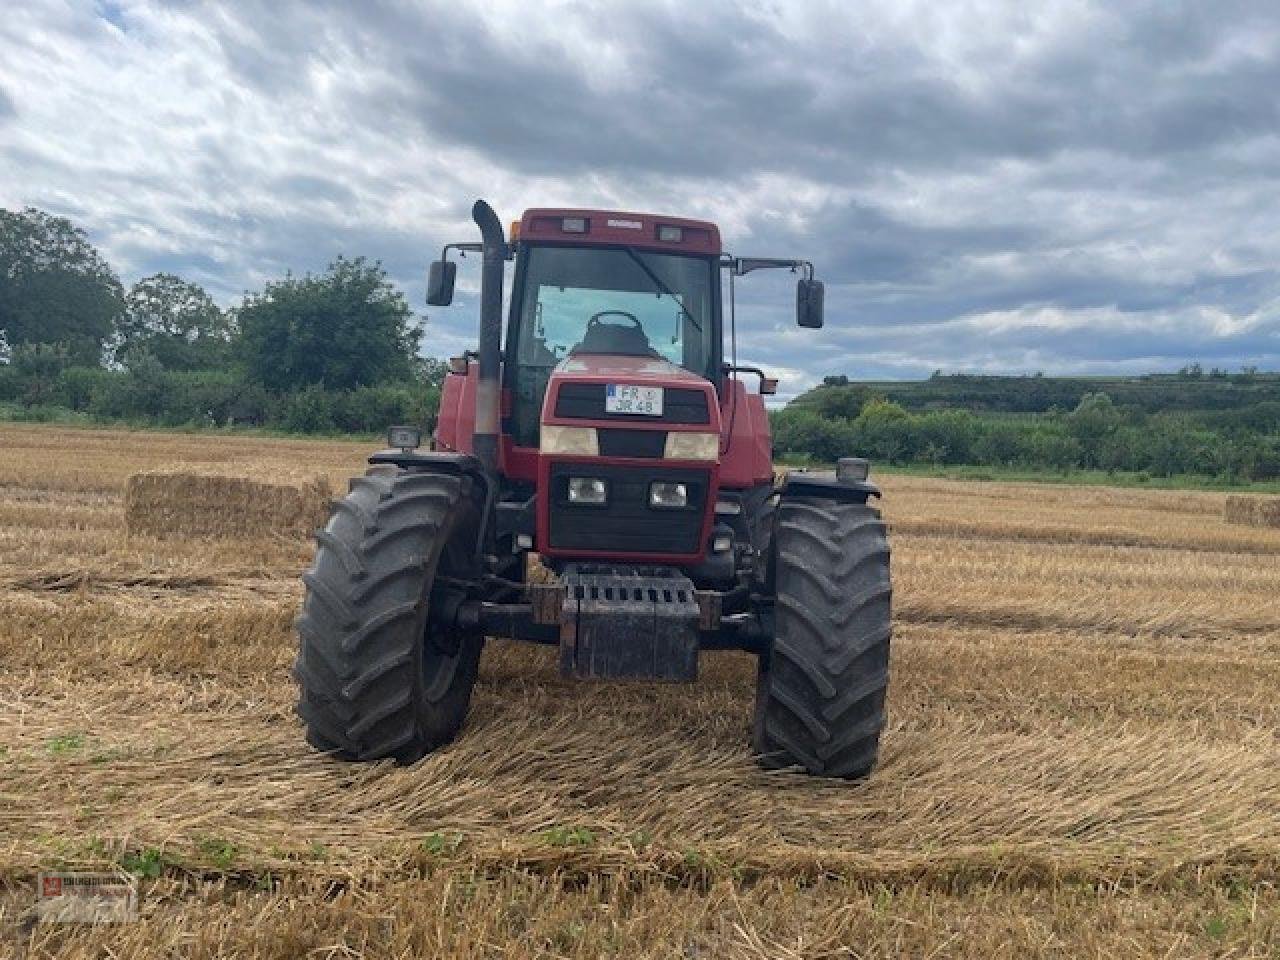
x=581 y=385
x=627 y=424
x=611 y=367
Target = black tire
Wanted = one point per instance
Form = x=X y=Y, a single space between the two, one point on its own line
x=820 y=694
x=374 y=681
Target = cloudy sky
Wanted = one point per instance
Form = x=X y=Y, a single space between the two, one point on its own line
x=1011 y=187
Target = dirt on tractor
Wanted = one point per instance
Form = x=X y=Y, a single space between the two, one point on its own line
x=1082 y=756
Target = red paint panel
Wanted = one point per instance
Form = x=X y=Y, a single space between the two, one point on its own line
x=518 y=463
x=615 y=227
x=762 y=436
x=747 y=450
x=456 y=424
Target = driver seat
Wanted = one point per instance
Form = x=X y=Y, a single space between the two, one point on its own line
x=615 y=338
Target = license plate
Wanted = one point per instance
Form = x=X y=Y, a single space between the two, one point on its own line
x=628 y=398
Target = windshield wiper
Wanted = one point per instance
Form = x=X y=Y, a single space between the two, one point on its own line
x=662 y=287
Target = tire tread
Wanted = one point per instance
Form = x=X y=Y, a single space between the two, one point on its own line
x=362 y=626
x=820 y=701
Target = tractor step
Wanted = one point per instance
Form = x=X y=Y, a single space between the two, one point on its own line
x=628 y=622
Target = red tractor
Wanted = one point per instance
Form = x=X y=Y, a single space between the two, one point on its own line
x=609 y=435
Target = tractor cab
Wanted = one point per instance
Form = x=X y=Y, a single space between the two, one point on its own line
x=594 y=284
x=614 y=356
x=591 y=283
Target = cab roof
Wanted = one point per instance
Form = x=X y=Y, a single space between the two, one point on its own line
x=580 y=227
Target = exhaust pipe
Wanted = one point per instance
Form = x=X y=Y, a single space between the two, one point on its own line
x=485 y=442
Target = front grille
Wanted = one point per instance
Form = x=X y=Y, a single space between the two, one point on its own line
x=585 y=401
x=626 y=524
x=632 y=443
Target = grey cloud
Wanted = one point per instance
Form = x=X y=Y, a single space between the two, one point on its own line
x=943 y=165
x=716 y=94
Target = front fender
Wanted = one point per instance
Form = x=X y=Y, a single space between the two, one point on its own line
x=823 y=485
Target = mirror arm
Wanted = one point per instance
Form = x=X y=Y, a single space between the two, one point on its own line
x=741 y=266
x=730 y=368
x=462 y=248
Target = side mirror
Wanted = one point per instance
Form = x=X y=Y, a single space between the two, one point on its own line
x=809 y=298
x=440 y=283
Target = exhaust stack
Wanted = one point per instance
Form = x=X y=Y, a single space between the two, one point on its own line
x=485 y=443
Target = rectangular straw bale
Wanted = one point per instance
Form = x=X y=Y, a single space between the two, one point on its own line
x=194 y=501
x=1253 y=511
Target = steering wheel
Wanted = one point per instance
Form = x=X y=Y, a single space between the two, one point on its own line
x=596 y=322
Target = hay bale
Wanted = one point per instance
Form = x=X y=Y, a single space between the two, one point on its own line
x=195 y=501
x=1253 y=511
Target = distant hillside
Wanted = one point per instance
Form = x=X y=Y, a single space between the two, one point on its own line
x=1215 y=425
x=1189 y=391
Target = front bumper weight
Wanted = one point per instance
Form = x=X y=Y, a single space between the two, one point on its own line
x=628 y=622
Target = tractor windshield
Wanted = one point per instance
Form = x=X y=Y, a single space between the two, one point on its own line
x=607 y=300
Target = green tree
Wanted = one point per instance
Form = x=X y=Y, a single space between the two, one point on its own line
x=176 y=322
x=797 y=430
x=38 y=368
x=842 y=400
x=148 y=388
x=1093 y=421
x=885 y=431
x=54 y=286
x=948 y=436
x=348 y=327
x=1001 y=444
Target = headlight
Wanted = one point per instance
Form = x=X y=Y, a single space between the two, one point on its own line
x=588 y=490
x=852 y=469
x=573 y=441
x=406 y=438
x=692 y=446
x=668 y=495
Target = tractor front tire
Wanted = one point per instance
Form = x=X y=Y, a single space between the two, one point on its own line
x=820 y=695
x=376 y=681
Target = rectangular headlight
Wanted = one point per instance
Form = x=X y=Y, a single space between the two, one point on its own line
x=570 y=441
x=692 y=446
x=588 y=490
x=668 y=495
x=406 y=438
x=852 y=469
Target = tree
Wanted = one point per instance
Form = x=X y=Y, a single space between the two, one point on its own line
x=38 y=367
x=1094 y=417
x=842 y=401
x=54 y=286
x=885 y=431
x=176 y=322
x=348 y=327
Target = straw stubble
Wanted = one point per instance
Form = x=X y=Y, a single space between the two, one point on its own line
x=1083 y=756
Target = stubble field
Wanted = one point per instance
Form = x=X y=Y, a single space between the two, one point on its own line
x=1083 y=756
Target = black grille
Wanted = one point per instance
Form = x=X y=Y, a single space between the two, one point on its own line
x=626 y=524
x=632 y=443
x=585 y=401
